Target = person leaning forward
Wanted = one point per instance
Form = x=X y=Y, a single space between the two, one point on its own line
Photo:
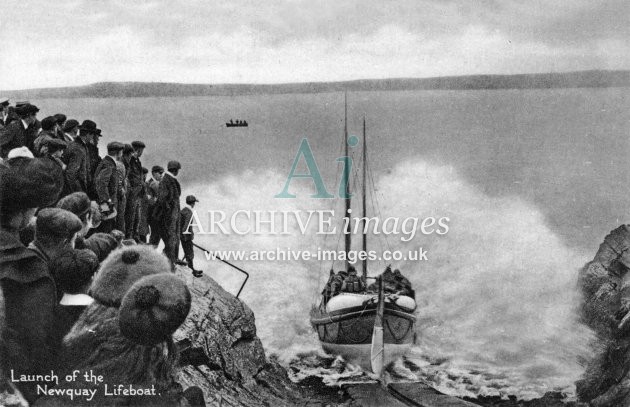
x=106 y=184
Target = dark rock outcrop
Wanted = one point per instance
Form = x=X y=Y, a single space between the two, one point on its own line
x=221 y=354
x=605 y=284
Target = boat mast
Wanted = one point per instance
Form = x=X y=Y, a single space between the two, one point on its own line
x=364 y=199
x=346 y=169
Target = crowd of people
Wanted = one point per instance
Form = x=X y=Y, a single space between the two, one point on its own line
x=82 y=286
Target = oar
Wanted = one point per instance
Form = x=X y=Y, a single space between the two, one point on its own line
x=377 y=352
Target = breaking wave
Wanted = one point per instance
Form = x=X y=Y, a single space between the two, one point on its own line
x=496 y=297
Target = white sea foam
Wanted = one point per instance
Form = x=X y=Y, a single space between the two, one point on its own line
x=497 y=295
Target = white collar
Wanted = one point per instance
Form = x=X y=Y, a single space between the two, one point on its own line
x=24 y=124
x=189 y=207
x=69 y=136
x=171 y=174
x=76 y=299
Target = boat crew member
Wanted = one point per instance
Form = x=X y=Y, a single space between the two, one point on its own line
x=167 y=211
x=352 y=283
x=335 y=287
x=327 y=291
x=403 y=285
x=187 y=234
x=106 y=185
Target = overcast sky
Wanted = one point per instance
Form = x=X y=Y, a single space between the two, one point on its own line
x=76 y=42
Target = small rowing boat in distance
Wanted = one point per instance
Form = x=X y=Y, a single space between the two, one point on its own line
x=238 y=123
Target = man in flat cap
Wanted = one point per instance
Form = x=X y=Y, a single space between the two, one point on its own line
x=135 y=190
x=77 y=159
x=187 y=234
x=70 y=130
x=55 y=231
x=153 y=186
x=94 y=157
x=49 y=126
x=20 y=132
x=106 y=184
x=28 y=287
x=61 y=120
x=167 y=211
x=7 y=115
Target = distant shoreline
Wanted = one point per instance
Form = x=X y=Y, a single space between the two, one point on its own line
x=581 y=79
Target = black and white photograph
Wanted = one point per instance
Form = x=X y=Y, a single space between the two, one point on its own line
x=354 y=203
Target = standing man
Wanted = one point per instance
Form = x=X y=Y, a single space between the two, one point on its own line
x=61 y=120
x=94 y=158
x=187 y=234
x=167 y=211
x=153 y=186
x=49 y=125
x=70 y=130
x=7 y=115
x=134 y=175
x=77 y=159
x=106 y=185
x=21 y=132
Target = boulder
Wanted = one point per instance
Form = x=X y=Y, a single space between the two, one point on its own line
x=221 y=354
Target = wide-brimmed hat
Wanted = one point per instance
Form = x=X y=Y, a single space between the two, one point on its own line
x=88 y=126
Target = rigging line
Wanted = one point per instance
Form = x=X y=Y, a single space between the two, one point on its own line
x=378 y=205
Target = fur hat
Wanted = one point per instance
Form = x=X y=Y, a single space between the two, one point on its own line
x=153 y=308
x=57 y=222
x=29 y=183
x=77 y=203
x=73 y=269
x=122 y=268
x=102 y=244
x=48 y=123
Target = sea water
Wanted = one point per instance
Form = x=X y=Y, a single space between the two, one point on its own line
x=531 y=181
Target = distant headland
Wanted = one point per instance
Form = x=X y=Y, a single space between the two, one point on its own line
x=581 y=79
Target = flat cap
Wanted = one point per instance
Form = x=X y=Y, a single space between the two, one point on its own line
x=137 y=144
x=57 y=222
x=48 y=123
x=70 y=124
x=145 y=170
x=55 y=145
x=114 y=146
x=173 y=165
x=76 y=202
x=191 y=199
x=25 y=110
x=61 y=118
x=22 y=103
x=157 y=168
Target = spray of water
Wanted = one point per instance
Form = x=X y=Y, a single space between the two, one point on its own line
x=496 y=296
